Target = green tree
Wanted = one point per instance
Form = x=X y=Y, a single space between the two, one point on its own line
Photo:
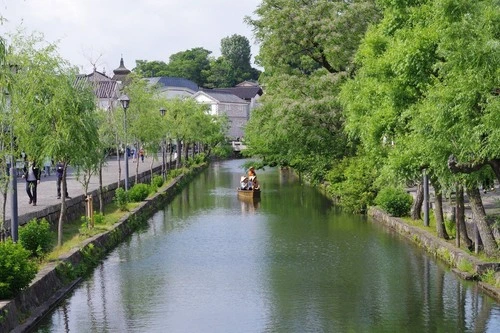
x=153 y=68
x=143 y=117
x=220 y=74
x=233 y=66
x=426 y=80
x=190 y=64
x=306 y=57
x=54 y=116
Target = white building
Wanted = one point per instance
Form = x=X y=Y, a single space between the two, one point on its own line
x=236 y=109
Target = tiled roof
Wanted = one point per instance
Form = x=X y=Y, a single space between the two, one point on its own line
x=102 y=88
x=168 y=81
x=244 y=92
x=224 y=97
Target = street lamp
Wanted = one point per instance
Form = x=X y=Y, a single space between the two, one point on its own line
x=14 y=222
x=125 y=101
x=163 y=168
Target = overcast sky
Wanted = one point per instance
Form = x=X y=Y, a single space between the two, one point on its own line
x=138 y=29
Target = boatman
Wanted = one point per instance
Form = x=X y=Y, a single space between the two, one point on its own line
x=252 y=179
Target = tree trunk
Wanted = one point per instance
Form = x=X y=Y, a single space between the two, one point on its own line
x=101 y=200
x=479 y=217
x=438 y=212
x=185 y=149
x=179 y=155
x=119 y=164
x=4 y=195
x=416 y=209
x=151 y=169
x=137 y=160
x=460 y=216
x=495 y=166
x=62 y=214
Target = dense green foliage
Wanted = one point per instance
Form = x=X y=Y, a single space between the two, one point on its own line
x=363 y=95
x=121 y=198
x=231 y=68
x=394 y=201
x=157 y=181
x=306 y=57
x=138 y=192
x=36 y=237
x=16 y=268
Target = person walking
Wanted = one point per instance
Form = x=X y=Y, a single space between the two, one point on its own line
x=59 y=171
x=32 y=175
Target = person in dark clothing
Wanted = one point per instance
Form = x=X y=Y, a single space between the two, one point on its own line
x=32 y=175
x=59 y=172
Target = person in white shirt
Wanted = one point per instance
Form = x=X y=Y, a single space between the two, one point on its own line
x=32 y=176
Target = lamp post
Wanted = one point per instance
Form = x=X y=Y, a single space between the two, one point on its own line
x=124 y=100
x=163 y=168
x=14 y=222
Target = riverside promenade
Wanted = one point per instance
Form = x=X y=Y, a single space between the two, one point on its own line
x=47 y=189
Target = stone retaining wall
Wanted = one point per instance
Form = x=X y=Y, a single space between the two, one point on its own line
x=439 y=248
x=51 y=283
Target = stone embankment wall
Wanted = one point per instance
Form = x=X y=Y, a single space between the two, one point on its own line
x=56 y=279
x=441 y=249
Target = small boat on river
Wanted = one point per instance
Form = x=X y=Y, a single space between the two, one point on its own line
x=254 y=193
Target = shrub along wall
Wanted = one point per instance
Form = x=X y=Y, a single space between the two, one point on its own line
x=58 y=278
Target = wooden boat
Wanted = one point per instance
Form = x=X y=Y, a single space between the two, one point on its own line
x=249 y=193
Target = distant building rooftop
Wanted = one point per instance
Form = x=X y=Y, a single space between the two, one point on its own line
x=168 y=81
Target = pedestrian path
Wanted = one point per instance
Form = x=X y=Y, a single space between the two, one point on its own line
x=490 y=198
x=47 y=189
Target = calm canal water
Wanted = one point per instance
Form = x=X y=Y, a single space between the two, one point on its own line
x=290 y=262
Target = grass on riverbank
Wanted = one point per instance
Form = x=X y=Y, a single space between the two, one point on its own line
x=451 y=233
x=75 y=231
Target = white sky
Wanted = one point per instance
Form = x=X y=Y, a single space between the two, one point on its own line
x=138 y=29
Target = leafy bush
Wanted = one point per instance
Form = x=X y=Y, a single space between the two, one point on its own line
x=121 y=198
x=451 y=227
x=350 y=184
x=16 y=268
x=157 y=182
x=175 y=172
x=138 y=192
x=394 y=201
x=98 y=218
x=200 y=158
x=35 y=237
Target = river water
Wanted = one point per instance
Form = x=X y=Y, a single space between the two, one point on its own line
x=289 y=262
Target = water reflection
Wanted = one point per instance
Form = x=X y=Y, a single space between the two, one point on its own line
x=249 y=205
x=297 y=264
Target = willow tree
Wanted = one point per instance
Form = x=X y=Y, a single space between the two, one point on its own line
x=428 y=81
x=143 y=117
x=54 y=116
x=6 y=118
x=306 y=53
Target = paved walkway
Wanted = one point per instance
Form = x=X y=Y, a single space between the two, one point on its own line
x=47 y=189
x=491 y=201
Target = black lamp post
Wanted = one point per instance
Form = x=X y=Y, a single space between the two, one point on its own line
x=14 y=222
x=163 y=168
x=125 y=101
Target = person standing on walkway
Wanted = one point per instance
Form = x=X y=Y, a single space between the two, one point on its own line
x=141 y=154
x=60 y=171
x=32 y=176
x=47 y=163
